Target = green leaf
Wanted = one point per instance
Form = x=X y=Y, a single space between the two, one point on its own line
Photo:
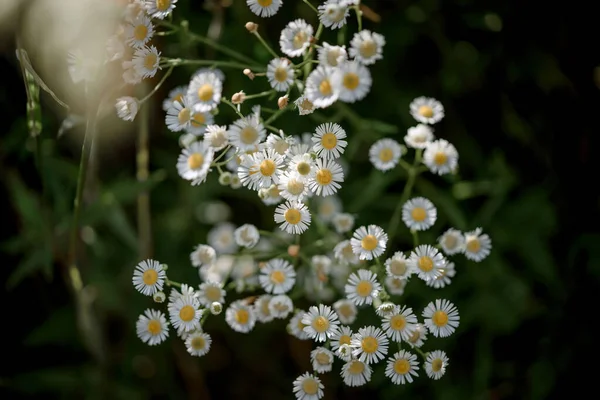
x=39 y=259
x=52 y=330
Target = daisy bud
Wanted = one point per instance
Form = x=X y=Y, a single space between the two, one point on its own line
x=345 y=350
x=263 y=193
x=235 y=182
x=159 y=297
x=216 y=308
x=282 y=102
x=225 y=178
x=386 y=309
x=251 y=26
x=293 y=250
x=164 y=267
x=238 y=98
x=127 y=108
x=249 y=73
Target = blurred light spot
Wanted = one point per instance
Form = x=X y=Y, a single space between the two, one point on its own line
x=8 y=17
x=597 y=76
x=415 y=14
x=143 y=366
x=466 y=52
x=88 y=235
x=213 y=212
x=493 y=22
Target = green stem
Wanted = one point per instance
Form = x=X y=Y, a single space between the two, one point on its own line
x=173 y=283
x=415 y=236
x=257 y=95
x=276 y=115
x=224 y=151
x=311 y=6
x=418 y=350
x=215 y=63
x=142 y=173
x=309 y=53
x=230 y=104
x=265 y=44
x=158 y=85
x=358 y=17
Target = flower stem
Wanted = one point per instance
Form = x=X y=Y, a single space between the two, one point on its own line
x=265 y=44
x=311 y=6
x=214 y=63
x=276 y=115
x=158 y=85
x=358 y=17
x=418 y=350
x=230 y=104
x=142 y=159
x=257 y=95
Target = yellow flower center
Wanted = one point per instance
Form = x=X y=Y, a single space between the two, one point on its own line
x=205 y=92
x=322 y=359
x=292 y=216
x=415 y=336
x=280 y=74
x=397 y=267
x=163 y=5
x=401 y=366
x=323 y=177
x=351 y=81
x=187 y=313
x=248 y=135
x=398 y=322
x=369 y=344
x=426 y=111
x=150 y=276
x=345 y=339
x=242 y=316
x=325 y=88
x=440 y=318
x=198 y=120
x=264 y=3
x=150 y=61
x=473 y=245
x=440 y=158
x=356 y=367
x=329 y=140
x=419 y=214
x=369 y=242
x=140 y=32
x=320 y=324
x=299 y=39
x=267 y=167
x=425 y=264
x=386 y=155
x=184 y=115
x=307 y=104
x=154 y=327
x=368 y=48
x=346 y=310
x=437 y=364
x=450 y=241
x=212 y=293
x=300 y=325
x=364 y=288
x=273 y=191
x=295 y=187
x=198 y=343
x=195 y=160
x=309 y=386
x=303 y=168
x=277 y=277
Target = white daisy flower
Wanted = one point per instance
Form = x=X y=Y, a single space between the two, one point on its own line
x=303 y=165
x=427 y=110
x=145 y=61
x=478 y=245
x=139 y=32
x=203 y=255
x=295 y=38
x=130 y=73
x=269 y=164
x=185 y=313
x=327 y=207
x=400 y=325
x=281 y=306
x=395 y=286
x=261 y=308
x=246 y=133
x=328 y=175
x=418 y=137
x=344 y=254
x=134 y=9
x=280 y=143
x=198 y=122
x=401 y=367
x=127 y=108
x=396 y=266
x=452 y=241
x=198 y=343
x=296 y=327
x=216 y=137
x=221 y=238
x=306 y=386
x=292 y=187
x=386 y=309
x=356 y=373
x=176 y=94
x=152 y=327
x=149 y=277
x=115 y=49
x=435 y=364
x=384 y=154
x=418 y=336
x=280 y=74
x=323 y=86
x=356 y=81
x=328 y=140
x=264 y=8
x=441 y=318
x=331 y=56
x=321 y=322
x=193 y=164
x=178 y=115
x=444 y=278
x=333 y=14
x=321 y=264
x=343 y=222
x=370 y=345
x=270 y=195
x=304 y=105
x=321 y=359
x=185 y=290
x=159 y=8
x=277 y=276
x=293 y=216
x=240 y=317
x=346 y=311
x=205 y=70
x=440 y=157
x=343 y=336
x=204 y=91
x=366 y=47
x=246 y=236
x=369 y=242
x=362 y=287
x=427 y=262
x=211 y=292
x=419 y=214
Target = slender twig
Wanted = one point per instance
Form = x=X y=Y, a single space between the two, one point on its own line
x=230 y=104
x=311 y=6
x=158 y=85
x=265 y=44
x=276 y=115
x=213 y=63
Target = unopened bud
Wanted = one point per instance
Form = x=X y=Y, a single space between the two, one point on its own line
x=236 y=183
x=159 y=297
x=345 y=350
x=282 y=102
x=225 y=178
x=216 y=308
x=251 y=26
x=293 y=250
x=164 y=266
x=249 y=73
x=238 y=98
x=262 y=264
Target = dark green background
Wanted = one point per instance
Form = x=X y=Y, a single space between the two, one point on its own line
x=521 y=103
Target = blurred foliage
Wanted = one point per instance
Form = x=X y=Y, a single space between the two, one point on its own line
x=504 y=86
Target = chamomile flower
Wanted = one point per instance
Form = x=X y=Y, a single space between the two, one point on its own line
x=327 y=207
x=362 y=287
x=328 y=175
x=452 y=241
x=149 y=277
x=269 y=164
x=419 y=335
x=366 y=47
x=396 y=266
x=419 y=214
x=185 y=313
x=394 y=285
x=333 y=14
x=246 y=236
x=293 y=187
x=152 y=327
x=321 y=359
x=159 y=8
x=127 y=108
x=444 y=279
x=203 y=255
x=343 y=222
x=400 y=325
x=440 y=157
x=277 y=276
x=384 y=154
x=441 y=318
x=246 y=133
x=418 y=137
x=216 y=137
x=370 y=345
x=211 y=292
x=331 y=56
x=303 y=166
x=401 y=367
x=261 y=308
x=356 y=373
x=199 y=121
x=280 y=74
x=435 y=364
x=179 y=115
x=304 y=105
x=321 y=322
x=343 y=336
x=427 y=110
x=280 y=142
x=386 y=309
x=478 y=245
x=328 y=140
x=176 y=94
x=139 y=32
x=427 y=262
x=270 y=195
x=306 y=386
x=293 y=216
x=344 y=254
x=198 y=343
x=130 y=73
x=296 y=326
x=240 y=317
x=193 y=164
x=323 y=86
x=369 y=242
x=204 y=91
x=145 y=61
x=221 y=238
x=346 y=311
x=355 y=81
x=295 y=38
x=280 y=306
x=264 y=8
